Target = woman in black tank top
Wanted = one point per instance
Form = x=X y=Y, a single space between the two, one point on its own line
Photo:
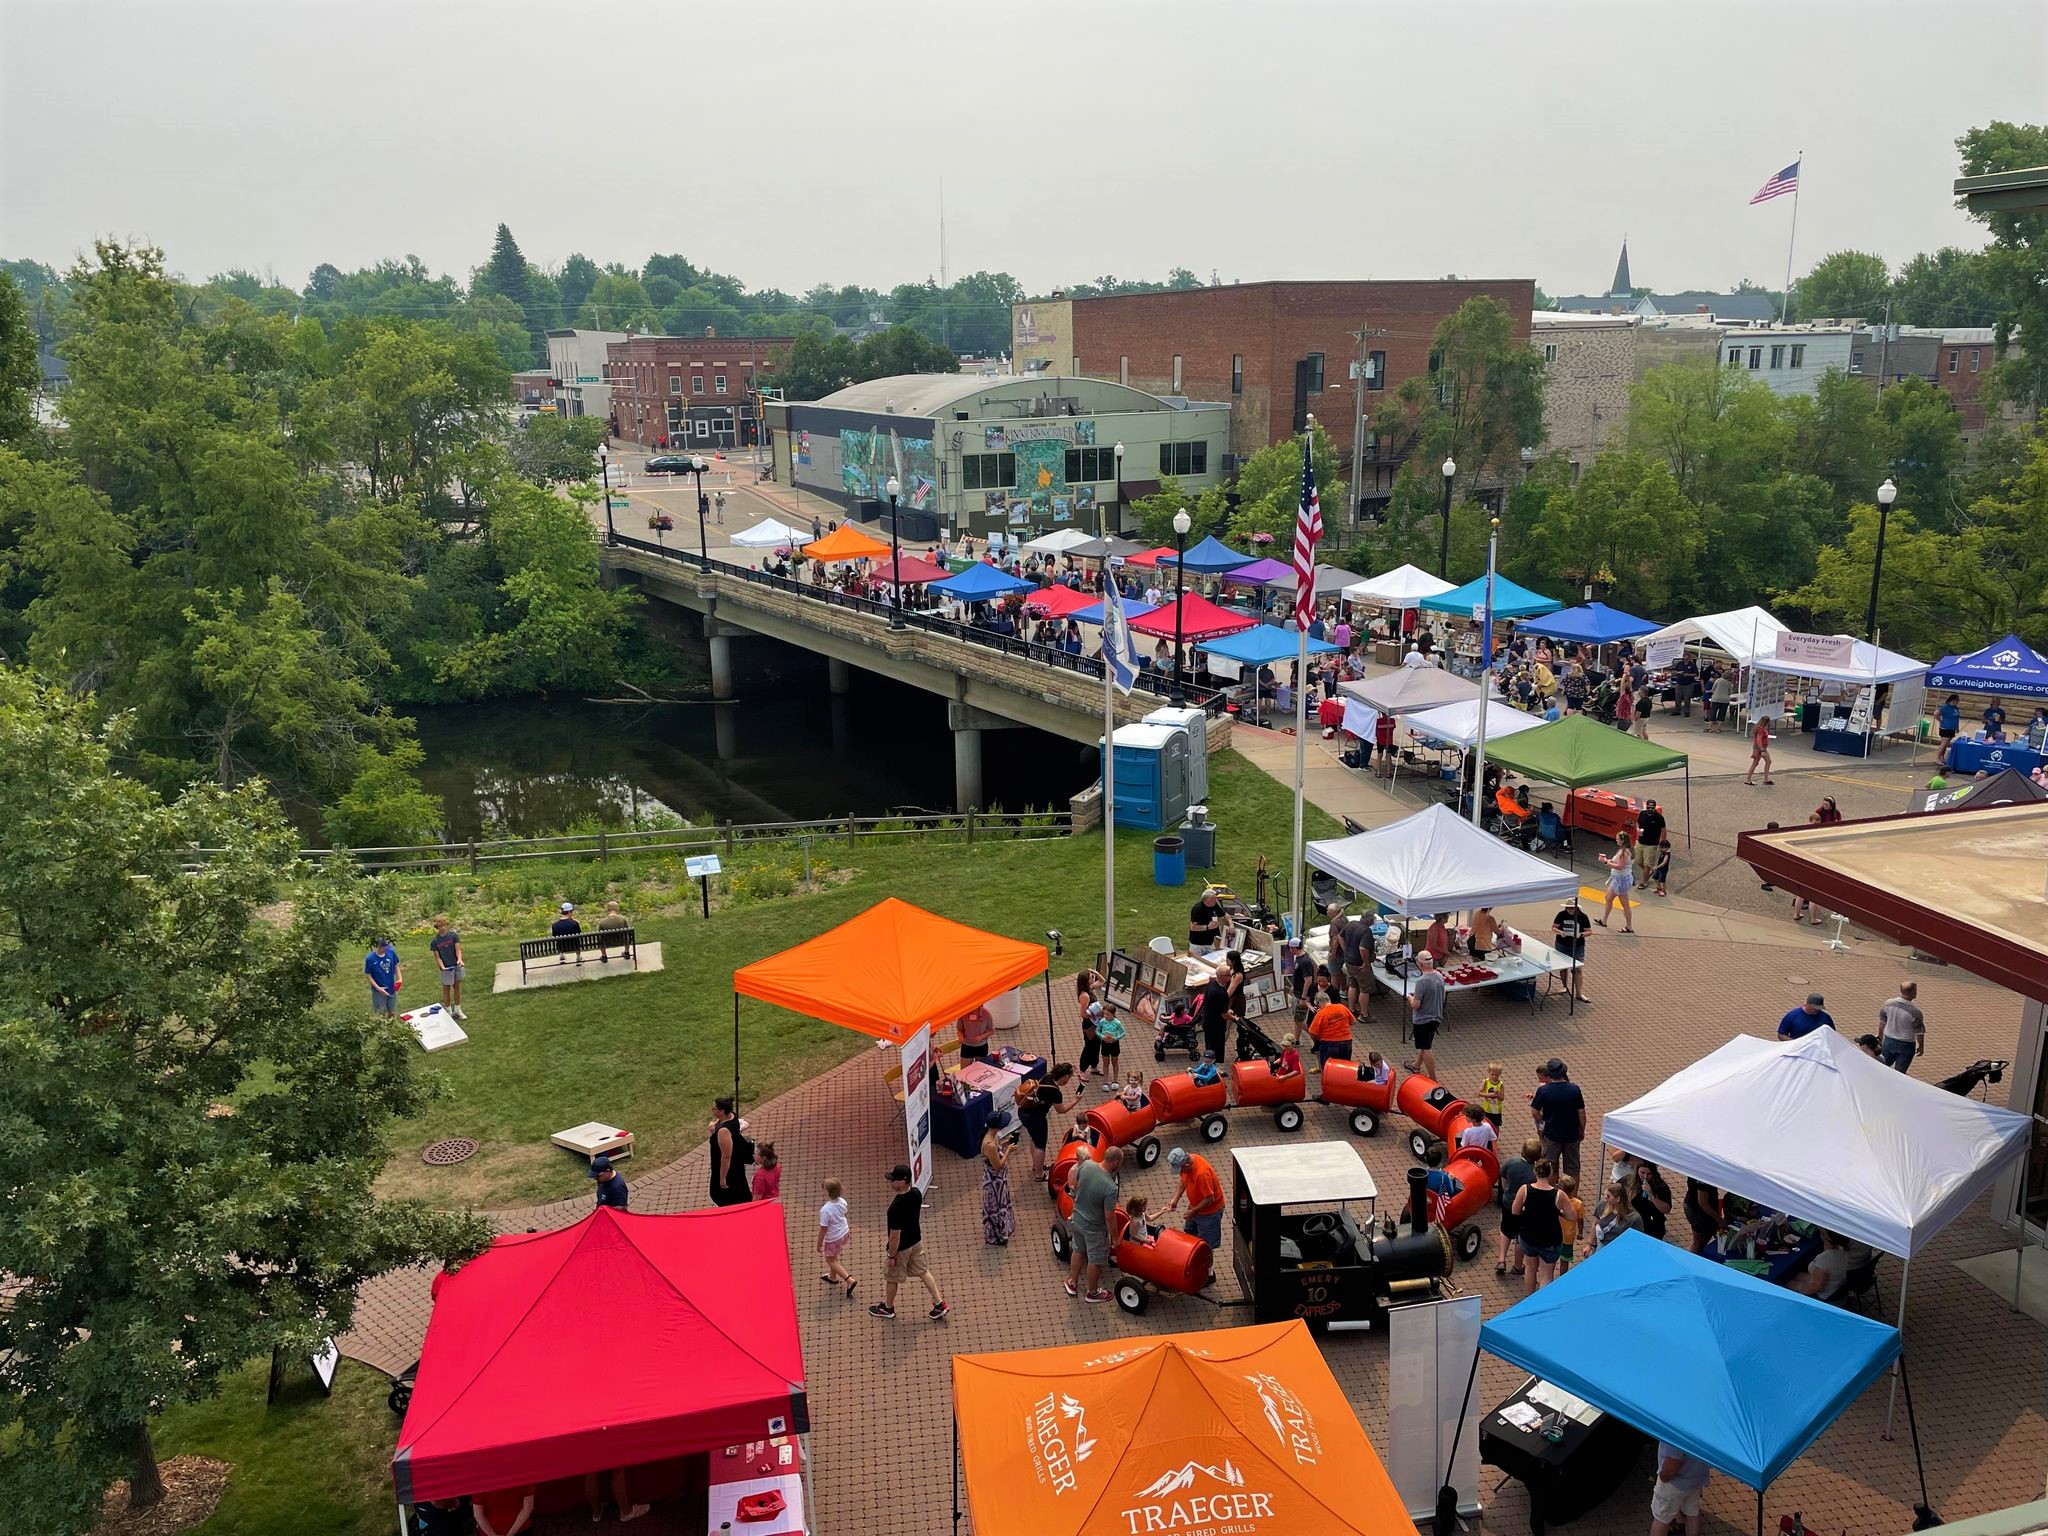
x=733 y=1188
x=1542 y=1228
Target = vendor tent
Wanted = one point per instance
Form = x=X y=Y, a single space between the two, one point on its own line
x=1744 y=633
x=2008 y=786
x=890 y=971
x=1868 y=664
x=1436 y=861
x=1402 y=587
x=1061 y=541
x=1132 y=608
x=981 y=583
x=1740 y=1373
x=1264 y=644
x=845 y=542
x=1510 y=601
x=910 y=569
x=1593 y=624
x=768 y=535
x=1060 y=601
x=615 y=1342
x=1408 y=689
x=1458 y=723
x=1209 y=558
x=1111 y=548
x=1240 y=1429
x=1578 y=750
x=1816 y=1129
x=1152 y=556
x=2010 y=668
x=1200 y=619
x=1260 y=573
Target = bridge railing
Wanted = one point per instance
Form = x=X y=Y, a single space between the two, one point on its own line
x=1161 y=685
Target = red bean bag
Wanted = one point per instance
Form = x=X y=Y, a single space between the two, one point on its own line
x=1177 y=1098
x=1350 y=1084
x=1116 y=1126
x=1256 y=1084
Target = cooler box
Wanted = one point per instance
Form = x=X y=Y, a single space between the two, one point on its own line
x=1151 y=777
x=1196 y=723
x=1601 y=812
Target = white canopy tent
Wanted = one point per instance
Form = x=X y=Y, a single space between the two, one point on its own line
x=770 y=535
x=1402 y=587
x=1436 y=861
x=1408 y=689
x=1458 y=723
x=1869 y=664
x=1818 y=1130
x=1747 y=634
x=1059 y=541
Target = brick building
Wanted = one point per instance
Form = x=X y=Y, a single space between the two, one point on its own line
x=1276 y=352
x=533 y=390
x=1591 y=363
x=690 y=391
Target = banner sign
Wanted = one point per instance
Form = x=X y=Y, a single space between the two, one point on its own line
x=917 y=1105
x=1662 y=653
x=1816 y=650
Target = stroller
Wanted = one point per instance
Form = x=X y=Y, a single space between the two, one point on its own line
x=1254 y=1044
x=1974 y=1076
x=1169 y=1036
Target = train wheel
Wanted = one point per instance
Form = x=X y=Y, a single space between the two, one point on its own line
x=1365 y=1122
x=1468 y=1239
x=1214 y=1128
x=1059 y=1244
x=1130 y=1295
x=1288 y=1117
x=1147 y=1150
x=1418 y=1143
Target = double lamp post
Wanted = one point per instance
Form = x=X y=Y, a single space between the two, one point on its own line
x=1181 y=524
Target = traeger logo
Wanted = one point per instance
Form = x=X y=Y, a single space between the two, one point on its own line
x=1057 y=1449
x=1198 y=1497
x=1292 y=1423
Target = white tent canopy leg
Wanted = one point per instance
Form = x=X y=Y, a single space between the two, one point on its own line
x=1892 y=1402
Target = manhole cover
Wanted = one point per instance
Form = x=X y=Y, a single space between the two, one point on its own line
x=453 y=1150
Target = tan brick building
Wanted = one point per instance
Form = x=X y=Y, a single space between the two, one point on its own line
x=690 y=391
x=1590 y=366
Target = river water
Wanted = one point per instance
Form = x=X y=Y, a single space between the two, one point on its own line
x=786 y=751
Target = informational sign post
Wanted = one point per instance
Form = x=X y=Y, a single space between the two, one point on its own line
x=917 y=1105
x=701 y=867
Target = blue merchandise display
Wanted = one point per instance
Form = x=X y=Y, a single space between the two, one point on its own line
x=1987 y=757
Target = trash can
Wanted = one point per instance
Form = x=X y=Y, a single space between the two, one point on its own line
x=1200 y=838
x=1169 y=861
x=1809 y=715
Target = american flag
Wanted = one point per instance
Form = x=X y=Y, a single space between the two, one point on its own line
x=1308 y=533
x=1785 y=181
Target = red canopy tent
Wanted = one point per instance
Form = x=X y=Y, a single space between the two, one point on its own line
x=620 y=1341
x=913 y=568
x=1060 y=601
x=1200 y=620
x=1152 y=556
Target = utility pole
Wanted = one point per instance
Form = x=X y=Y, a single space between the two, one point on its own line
x=1363 y=334
x=1884 y=348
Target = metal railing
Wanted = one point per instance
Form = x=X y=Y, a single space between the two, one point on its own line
x=1210 y=700
x=725 y=838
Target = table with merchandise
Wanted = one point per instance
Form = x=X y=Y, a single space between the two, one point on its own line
x=1518 y=958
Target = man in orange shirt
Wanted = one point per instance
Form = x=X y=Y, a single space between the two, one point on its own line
x=1203 y=1192
x=1331 y=1031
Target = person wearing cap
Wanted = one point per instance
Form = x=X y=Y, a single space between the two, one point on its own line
x=1805 y=1019
x=904 y=1247
x=564 y=926
x=1560 y=1109
x=1203 y=1192
x=386 y=975
x=611 y=1184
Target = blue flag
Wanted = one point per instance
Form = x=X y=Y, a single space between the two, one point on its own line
x=1119 y=650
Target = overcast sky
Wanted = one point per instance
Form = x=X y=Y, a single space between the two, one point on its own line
x=804 y=140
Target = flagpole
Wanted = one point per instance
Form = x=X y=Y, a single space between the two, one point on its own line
x=1485 y=679
x=1798 y=180
x=1108 y=793
x=1304 y=604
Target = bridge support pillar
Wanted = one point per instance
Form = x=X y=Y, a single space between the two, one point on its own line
x=838 y=675
x=720 y=644
x=725 y=731
x=966 y=768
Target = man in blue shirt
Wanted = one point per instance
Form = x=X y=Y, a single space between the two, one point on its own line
x=1994 y=718
x=386 y=976
x=564 y=927
x=611 y=1184
x=1559 y=1105
x=1805 y=1019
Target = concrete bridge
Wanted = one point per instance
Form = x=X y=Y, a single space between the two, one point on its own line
x=989 y=683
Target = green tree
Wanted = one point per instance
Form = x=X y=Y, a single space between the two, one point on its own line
x=505 y=275
x=1845 y=285
x=1625 y=529
x=818 y=363
x=21 y=376
x=1268 y=490
x=578 y=276
x=2015 y=268
x=900 y=349
x=385 y=806
x=1479 y=406
x=1924 y=449
x=193 y=1135
x=1933 y=588
x=556 y=450
x=1944 y=287
x=617 y=301
x=1208 y=513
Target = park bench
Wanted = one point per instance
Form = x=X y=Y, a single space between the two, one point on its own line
x=566 y=948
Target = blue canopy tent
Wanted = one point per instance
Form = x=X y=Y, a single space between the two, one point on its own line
x=1092 y=614
x=1510 y=600
x=1594 y=624
x=2011 y=667
x=1211 y=557
x=1263 y=645
x=1743 y=1374
x=981 y=583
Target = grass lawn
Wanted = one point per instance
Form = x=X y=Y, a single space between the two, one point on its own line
x=303 y=1463
x=650 y=1052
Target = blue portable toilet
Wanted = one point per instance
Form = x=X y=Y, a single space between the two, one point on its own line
x=1151 y=776
x=1196 y=723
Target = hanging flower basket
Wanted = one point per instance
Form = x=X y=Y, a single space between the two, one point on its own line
x=1262 y=539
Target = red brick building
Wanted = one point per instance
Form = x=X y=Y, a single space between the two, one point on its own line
x=690 y=391
x=1277 y=352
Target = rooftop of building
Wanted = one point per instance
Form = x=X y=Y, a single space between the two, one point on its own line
x=930 y=394
x=1060 y=295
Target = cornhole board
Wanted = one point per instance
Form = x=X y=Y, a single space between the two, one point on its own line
x=593 y=1137
x=435 y=1027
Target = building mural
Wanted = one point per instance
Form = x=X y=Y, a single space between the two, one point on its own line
x=868 y=459
x=1041 y=451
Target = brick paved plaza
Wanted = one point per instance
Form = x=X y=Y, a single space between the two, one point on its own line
x=879 y=1391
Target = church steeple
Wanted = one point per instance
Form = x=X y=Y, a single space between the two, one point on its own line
x=1620 y=284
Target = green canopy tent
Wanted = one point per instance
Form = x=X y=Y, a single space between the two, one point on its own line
x=1578 y=750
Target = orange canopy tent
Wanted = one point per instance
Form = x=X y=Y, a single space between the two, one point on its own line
x=1239 y=1429
x=889 y=972
x=845 y=542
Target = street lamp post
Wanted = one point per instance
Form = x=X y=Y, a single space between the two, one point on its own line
x=1443 y=555
x=1886 y=495
x=1102 y=513
x=895 y=489
x=698 y=465
x=1181 y=524
x=604 y=468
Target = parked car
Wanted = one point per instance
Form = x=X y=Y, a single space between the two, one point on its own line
x=669 y=464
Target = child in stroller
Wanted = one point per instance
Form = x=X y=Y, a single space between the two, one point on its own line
x=1179 y=1029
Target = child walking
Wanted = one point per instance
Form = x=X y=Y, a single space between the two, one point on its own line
x=1660 y=872
x=767 y=1183
x=833 y=1231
